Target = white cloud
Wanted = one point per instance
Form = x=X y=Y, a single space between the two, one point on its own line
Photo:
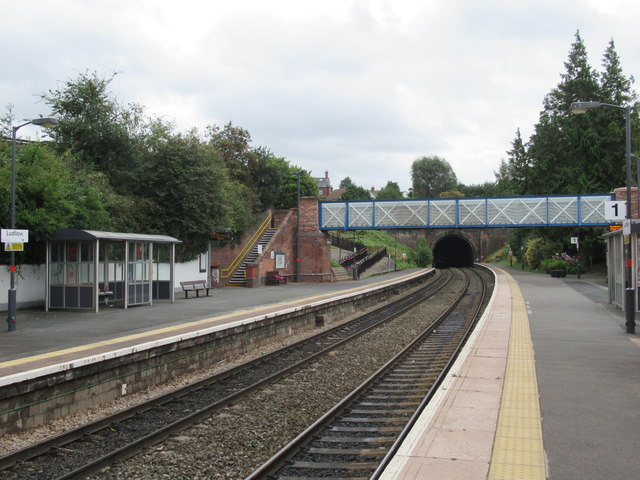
x=360 y=88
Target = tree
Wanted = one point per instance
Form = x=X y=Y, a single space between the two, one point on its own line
x=346 y=182
x=487 y=189
x=191 y=191
x=276 y=182
x=512 y=174
x=97 y=129
x=234 y=146
x=355 y=192
x=431 y=176
x=52 y=192
x=391 y=191
x=423 y=254
x=571 y=154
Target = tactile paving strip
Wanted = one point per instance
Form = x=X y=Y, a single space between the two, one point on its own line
x=518 y=451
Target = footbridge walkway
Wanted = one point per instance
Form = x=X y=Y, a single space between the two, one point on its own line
x=528 y=211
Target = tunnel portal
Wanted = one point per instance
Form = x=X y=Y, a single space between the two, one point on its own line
x=452 y=251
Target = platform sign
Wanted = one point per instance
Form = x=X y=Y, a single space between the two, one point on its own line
x=14 y=247
x=14 y=236
x=614 y=210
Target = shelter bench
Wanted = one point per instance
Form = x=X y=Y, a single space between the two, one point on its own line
x=274 y=278
x=195 y=286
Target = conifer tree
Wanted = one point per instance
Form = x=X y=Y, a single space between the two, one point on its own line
x=557 y=151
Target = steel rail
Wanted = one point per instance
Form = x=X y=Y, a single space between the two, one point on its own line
x=289 y=451
x=432 y=391
x=56 y=443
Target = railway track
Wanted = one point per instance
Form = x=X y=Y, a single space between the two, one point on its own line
x=358 y=437
x=82 y=451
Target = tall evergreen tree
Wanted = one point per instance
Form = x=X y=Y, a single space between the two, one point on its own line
x=561 y=160
x=574 y=154
x=512 y=175
x=616 y=90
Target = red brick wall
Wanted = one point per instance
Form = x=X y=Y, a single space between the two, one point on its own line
x=315 y=250
x=621 y=196
x=282 y=242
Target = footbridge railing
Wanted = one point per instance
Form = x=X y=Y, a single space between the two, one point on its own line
x=543 y=211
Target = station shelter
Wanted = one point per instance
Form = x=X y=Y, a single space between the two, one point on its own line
x=86 y=269
x=617 y=240
x=616 y=261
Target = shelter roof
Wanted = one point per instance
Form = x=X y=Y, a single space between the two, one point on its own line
x=75 y=234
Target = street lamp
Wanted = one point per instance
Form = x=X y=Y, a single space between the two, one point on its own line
x=297 y=277
x=12 y=296
x=629 y=301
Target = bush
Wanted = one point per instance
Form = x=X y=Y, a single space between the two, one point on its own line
x=424 y=254
x=561 y=260
x=533 y=253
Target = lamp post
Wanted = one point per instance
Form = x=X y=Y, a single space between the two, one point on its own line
x=12 y=295
x=297 y=277
x=629 y=300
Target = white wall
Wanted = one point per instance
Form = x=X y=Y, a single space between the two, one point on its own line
x=29 y=285
x=30 y=282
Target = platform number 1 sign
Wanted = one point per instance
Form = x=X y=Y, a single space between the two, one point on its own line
x=615 y=211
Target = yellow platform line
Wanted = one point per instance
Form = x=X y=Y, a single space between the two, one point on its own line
x=518 y=450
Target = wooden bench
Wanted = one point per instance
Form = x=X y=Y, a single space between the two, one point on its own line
x=195 y=286
x=274 y=278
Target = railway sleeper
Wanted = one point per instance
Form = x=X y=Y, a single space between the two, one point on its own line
x=334 y=465
x=367 y=429
x=364 y=452
x=381 y=440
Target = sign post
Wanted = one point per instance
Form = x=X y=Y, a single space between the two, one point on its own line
x=14 y=241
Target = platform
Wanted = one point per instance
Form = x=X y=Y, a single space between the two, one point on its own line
x=548 y=386
x=47 y=338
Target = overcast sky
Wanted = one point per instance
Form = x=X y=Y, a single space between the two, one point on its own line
x=360 y=88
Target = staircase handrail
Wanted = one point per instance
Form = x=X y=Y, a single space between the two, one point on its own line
x=227 y=272
x=345 y=243
x=353 y=258
x=370 y=260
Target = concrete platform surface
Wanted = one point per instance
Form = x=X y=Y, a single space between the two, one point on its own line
x=42 y=336
x=548 y=387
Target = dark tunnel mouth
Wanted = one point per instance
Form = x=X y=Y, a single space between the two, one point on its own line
x=452 y=251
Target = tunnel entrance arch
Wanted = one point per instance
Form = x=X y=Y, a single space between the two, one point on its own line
x=453 y=250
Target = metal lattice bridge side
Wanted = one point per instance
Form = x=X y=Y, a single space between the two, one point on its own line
x=547 y=211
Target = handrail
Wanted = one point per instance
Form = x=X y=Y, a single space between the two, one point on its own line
x=226 y=272
x=370 y=260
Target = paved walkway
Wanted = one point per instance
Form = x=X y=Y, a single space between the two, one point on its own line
x=588 y=376
x=548 y=387
x=46 y=338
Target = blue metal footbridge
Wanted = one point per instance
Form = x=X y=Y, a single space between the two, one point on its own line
x=526 y=211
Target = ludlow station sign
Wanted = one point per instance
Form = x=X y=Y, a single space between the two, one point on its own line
x=14 y=239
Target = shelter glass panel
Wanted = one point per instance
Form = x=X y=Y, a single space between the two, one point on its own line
x=138 y=273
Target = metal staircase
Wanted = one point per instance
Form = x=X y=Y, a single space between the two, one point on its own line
x=238 y=279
